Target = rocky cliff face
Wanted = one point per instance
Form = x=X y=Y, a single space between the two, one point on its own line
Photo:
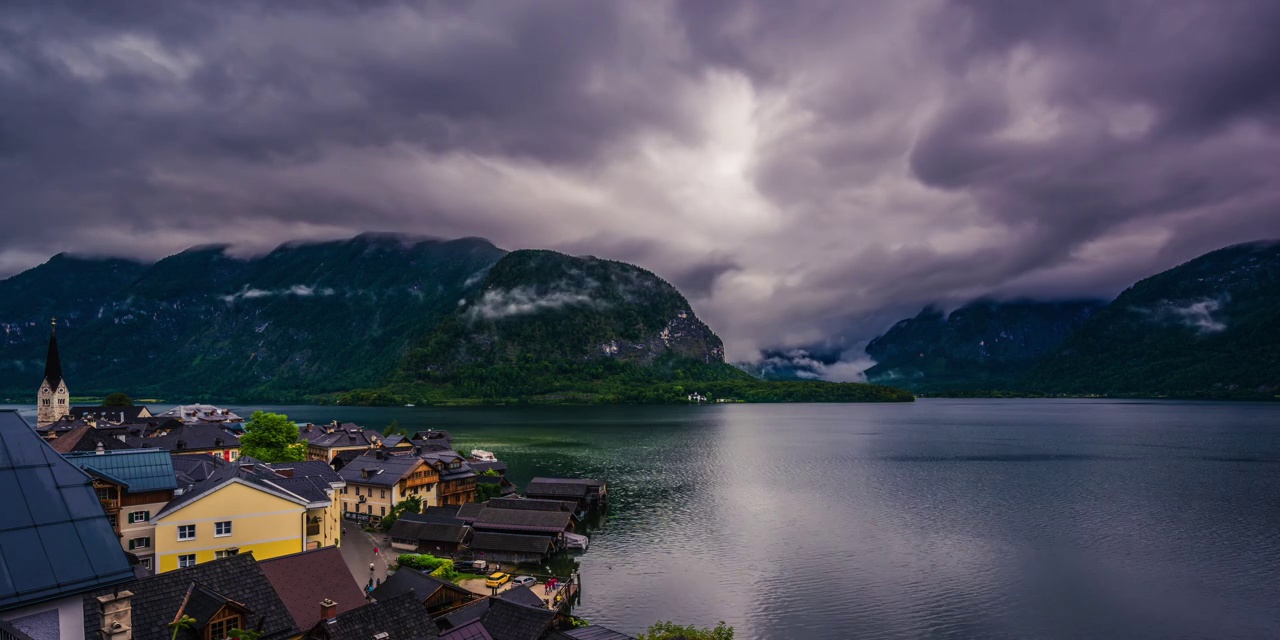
x=1206 y=328
x=982 y=345
x=542 y=306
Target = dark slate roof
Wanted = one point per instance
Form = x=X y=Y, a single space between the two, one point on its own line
x=157 y=599
x=395 y=441
x=84 y=438
x=55 y=539
x=445 y=511
x=473 y=630
x=511 y=543
x=508 y=620
x=139 y=469
x=53 y=363
x=401 y=617
x=305 y=579
x=533 y=504
x=561 y=487
x=419 y=582
x=386 y=471
x=522 y=595
x=301 y=490
x=468 y=511
x=451 y=532
x=344 y=435
x=201 y=603
x=188 y=437
x=310 y=468
x=467 y=612
x=193 y=468
x=593 y=632
x=113 y=414
x=481 y=467
x=522 y=520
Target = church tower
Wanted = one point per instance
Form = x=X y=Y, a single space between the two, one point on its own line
x=54 y=401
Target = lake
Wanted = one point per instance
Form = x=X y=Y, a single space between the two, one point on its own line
x=938 y=519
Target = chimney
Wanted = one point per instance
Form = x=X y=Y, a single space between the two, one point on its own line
x=117 y=615
x=328 y=609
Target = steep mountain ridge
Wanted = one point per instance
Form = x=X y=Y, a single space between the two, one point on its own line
x=1207 y=328
x=981 y=345
x=276 y=326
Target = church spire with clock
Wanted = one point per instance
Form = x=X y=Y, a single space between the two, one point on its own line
x=53 y=401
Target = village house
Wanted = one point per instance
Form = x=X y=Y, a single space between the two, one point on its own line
x=304 y=580
x=81 y=438
x=457 y=479
x=188 y=439
x=435 y=595
x=57 y=543
x=377 y=481
x=219 y=596
x=205 y=414
x=326 y=441
x=497 y=618
x=244 y=506
x=102 y=415
x=131 y=485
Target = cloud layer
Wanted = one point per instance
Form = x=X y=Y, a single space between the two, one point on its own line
x=805 y=172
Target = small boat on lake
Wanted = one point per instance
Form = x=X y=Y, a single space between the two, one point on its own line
x=575 y=541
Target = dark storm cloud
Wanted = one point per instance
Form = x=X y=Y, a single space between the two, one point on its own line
x=806 y=173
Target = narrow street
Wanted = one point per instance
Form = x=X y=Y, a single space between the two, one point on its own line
x=357 y=551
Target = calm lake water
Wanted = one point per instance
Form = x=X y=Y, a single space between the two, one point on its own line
x=938 y=519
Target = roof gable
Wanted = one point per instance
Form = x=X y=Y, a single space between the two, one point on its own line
x=305 y=579
x=140 y=469
x=56 y=540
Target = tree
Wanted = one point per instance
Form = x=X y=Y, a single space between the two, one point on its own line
x=670 y=631
x=411 y=505
x=395 y=429
x=271 y=437
x=486 y=490
x=117 y=399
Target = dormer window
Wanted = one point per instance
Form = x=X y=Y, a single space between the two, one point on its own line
x=220 y=628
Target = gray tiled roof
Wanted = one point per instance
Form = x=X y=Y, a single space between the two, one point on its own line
x=305 y=579
x=413 y=580
x=533 y=504
x=385 y=471
x=346 y=435
x=492 y=518
x=310 y=468
x=193 y=468
x=113 y=414
x=401 y=617
x=593 y=632
x=305 y=490
x=156 y=599
x=55 y=539
x=473 y=630
x=467 y=612
x=508 y=620
x=511 y=543
x=522 y=595
x=140 y=469
x=436 y=531
x=188 y=437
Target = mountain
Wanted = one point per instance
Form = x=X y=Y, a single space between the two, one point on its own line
x=377 y=319
x=985 y=344
x=306 y=318
x=1206 y=328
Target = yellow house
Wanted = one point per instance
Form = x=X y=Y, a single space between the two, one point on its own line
x=248 y=506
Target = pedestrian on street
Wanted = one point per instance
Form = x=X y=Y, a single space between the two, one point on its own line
x=375 y=551
x=370 y=568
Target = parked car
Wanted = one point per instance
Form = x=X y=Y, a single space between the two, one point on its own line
x=471 y=566
x=523 y=581
x=497 y=579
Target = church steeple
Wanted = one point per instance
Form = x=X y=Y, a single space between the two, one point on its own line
x=52 y=363
x=53 y=401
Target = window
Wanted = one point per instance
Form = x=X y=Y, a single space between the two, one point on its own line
x=344 y=491
x=140 y=543
x=384 y=511
x=139 y=516
x=186 y=560
x=218 y=629
x=384 y=493
x=186 y=532
x=221 y=529
x=235 y=454
x=455 y=465
x=104 y=493
x=370 y=507
x=226 y=553
x=62 y=400
x=46 y=401
x=145 y=562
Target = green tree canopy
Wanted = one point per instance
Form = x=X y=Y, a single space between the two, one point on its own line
x=117 y=399
x=411 y=504
x=670 y=631
x=271 y=437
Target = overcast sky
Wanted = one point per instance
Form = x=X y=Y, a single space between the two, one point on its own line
x=804 y=172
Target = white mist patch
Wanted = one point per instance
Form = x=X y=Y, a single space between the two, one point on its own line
x=299 y=290
x=1199 y=315
x=851 y=367
x=504 y=303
